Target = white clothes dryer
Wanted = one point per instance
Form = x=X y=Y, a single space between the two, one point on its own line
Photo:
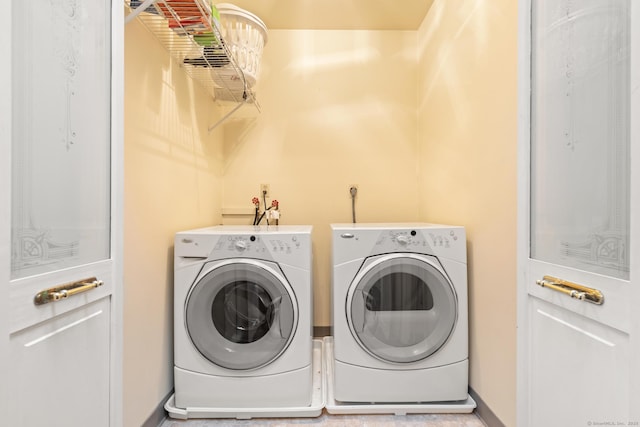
x=243 y=317
x=399 y=301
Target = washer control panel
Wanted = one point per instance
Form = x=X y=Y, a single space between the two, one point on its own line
x=286 y=244
x=292 y=249
x=257 y=245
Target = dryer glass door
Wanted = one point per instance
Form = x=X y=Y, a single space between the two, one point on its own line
x=241 y=314
x=401 y=307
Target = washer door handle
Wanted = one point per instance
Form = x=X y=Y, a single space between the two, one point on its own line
x=283 y=318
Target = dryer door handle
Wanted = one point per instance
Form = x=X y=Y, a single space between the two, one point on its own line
x=358 y=310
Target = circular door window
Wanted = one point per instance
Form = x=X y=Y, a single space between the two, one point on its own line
x=241 y=314
x=402 y=307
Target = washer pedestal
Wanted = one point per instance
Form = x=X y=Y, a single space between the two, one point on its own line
x=294 y=388
x=312 y=409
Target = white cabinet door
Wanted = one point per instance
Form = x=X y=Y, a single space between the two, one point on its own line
x=63 y=213
x=60 y=370
x=579 y=213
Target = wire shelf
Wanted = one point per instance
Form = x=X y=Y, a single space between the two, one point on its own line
x=193 y=39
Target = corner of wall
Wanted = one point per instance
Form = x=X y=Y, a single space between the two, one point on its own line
x=467 y=134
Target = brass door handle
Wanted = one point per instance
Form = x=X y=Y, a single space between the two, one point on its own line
x=574 y=290
x=65 y=291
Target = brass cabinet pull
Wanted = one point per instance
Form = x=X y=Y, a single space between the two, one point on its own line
x=574 y=290
x=65 y=291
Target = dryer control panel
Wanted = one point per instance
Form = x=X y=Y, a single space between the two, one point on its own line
x=373 y=239
x=401 y=240
x=433 y=241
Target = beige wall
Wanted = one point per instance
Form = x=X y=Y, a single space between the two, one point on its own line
x=173 y=174
x=467 y=143
x=338 y=108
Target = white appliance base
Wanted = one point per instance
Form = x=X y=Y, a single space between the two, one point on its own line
x=335 y=407
x=313 y=410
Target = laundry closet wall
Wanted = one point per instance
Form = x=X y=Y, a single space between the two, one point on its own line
x=338 y=108
x=424 y=122
x=173 y=181
x=467 y=141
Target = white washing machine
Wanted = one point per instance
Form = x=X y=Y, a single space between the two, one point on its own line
x=243 y=317
x=399 y=313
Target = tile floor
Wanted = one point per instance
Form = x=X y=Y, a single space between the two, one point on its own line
x=330 y=420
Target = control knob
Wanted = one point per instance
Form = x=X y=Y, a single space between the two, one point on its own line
x=402 y=239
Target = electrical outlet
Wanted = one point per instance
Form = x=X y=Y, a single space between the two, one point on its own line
x=264 y=190
x=353 y=190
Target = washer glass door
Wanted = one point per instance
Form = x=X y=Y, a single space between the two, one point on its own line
x=241 y=314
x=401 y=307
